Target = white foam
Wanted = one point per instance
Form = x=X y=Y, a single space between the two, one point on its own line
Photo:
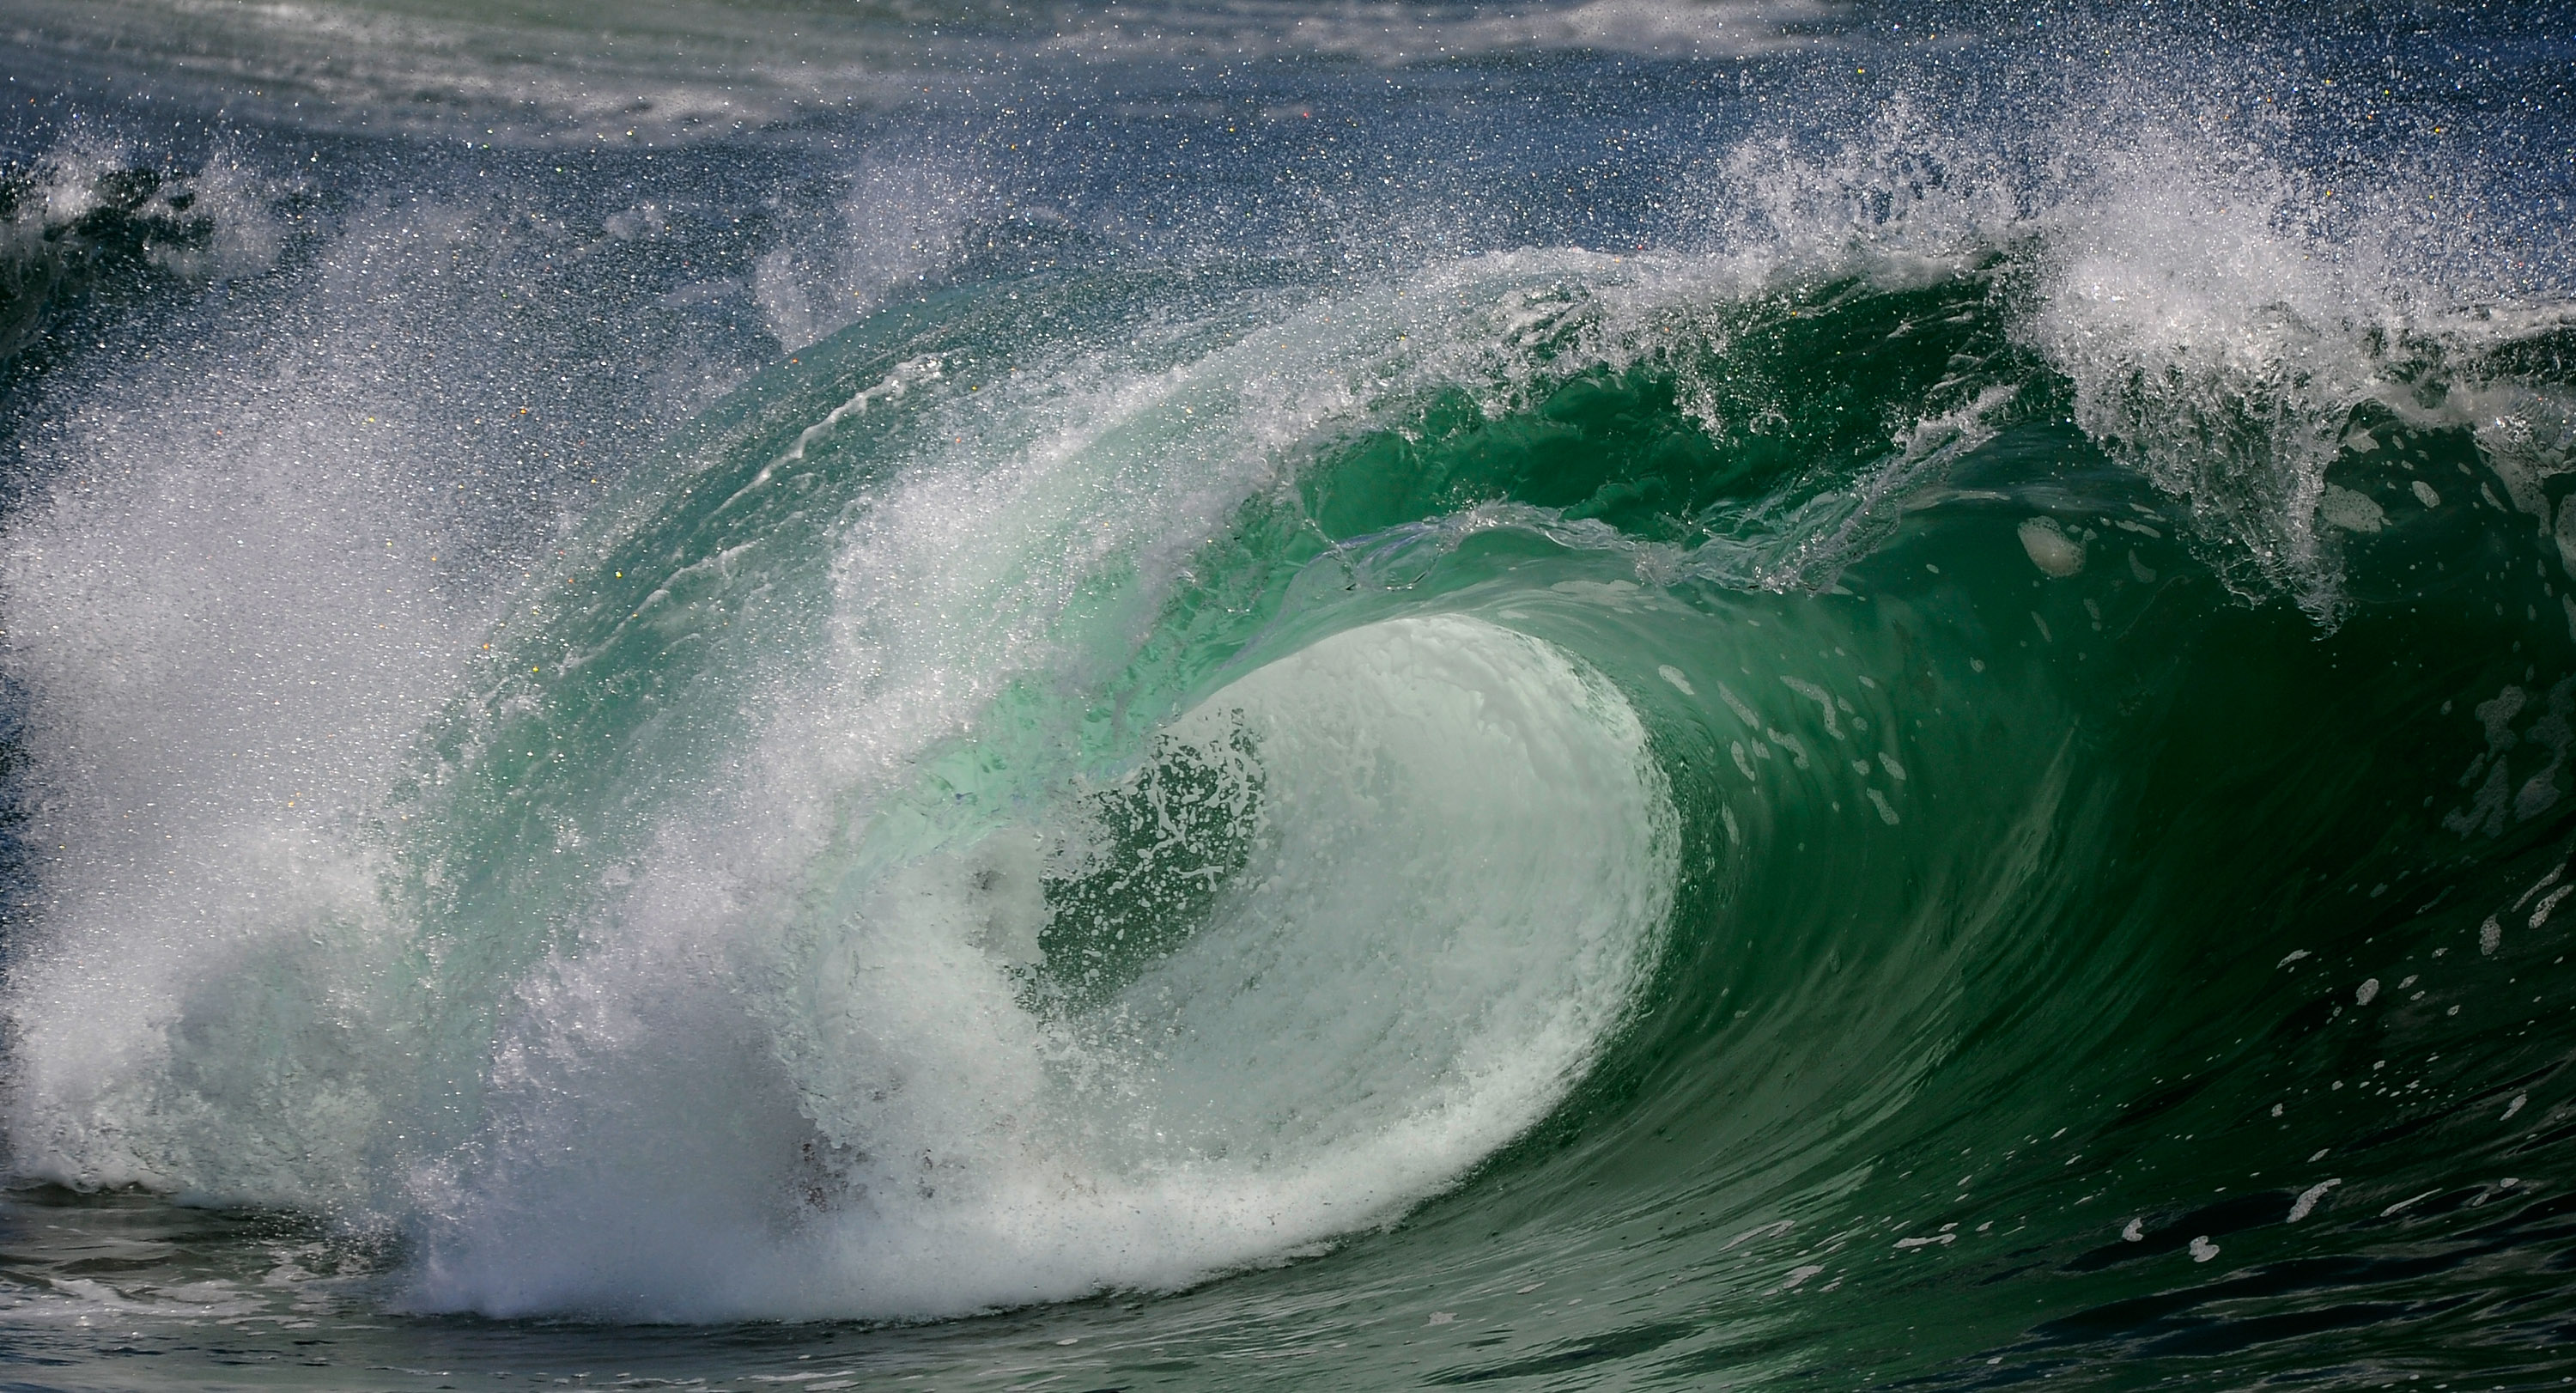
x=1464 y=863
x=2051 y=550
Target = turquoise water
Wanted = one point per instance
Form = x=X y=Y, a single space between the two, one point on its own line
x=1889 y=739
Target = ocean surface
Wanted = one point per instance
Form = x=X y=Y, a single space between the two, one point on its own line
x=1620 y=694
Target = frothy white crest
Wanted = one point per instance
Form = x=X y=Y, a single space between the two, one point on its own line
x=2215 y=345
x=2219 y=308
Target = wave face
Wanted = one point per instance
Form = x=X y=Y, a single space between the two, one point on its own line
x=1869 y=714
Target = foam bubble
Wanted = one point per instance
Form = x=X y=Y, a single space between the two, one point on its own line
x=2051 y=550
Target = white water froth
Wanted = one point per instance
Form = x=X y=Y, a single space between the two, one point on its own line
x=1465 y=861
x=2219 y=307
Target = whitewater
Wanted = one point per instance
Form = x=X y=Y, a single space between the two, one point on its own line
x=1609 y=695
